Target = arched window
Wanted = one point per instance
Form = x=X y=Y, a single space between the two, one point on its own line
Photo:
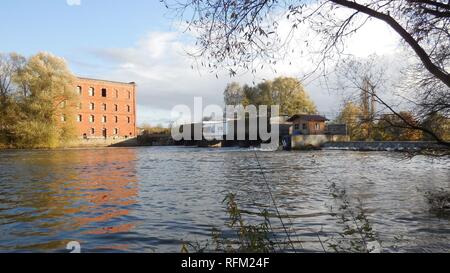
x=104 y=106
x=80 y=118
x=79 y=90
x=92 y=106
x=104 y=119
x=91 y=92
x=128 y=108
x=116 y=118
x=91 y=118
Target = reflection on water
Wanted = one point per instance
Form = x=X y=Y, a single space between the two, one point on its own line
x=151 y=199
x=51 y=198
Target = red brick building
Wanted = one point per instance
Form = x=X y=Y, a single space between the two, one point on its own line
x=106 y=109
x=304 y=124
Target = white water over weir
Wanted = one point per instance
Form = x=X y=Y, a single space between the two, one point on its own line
x=383 y=145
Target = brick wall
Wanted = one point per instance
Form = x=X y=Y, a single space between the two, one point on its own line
x=114 y=109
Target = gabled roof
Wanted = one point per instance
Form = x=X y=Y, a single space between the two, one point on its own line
x=306 y=117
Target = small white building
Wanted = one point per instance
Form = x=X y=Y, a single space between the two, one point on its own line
x=214 y=130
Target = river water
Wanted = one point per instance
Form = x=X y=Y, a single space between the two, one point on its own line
x=155 y=199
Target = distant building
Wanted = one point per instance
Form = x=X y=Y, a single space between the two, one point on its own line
x=337 y=129
x=106 y=109
x=214 y=130
x=308 y=124
x=313 y=131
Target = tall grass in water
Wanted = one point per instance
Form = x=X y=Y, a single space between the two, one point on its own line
x=357 y=234
x=247 y=238
x=439 y=202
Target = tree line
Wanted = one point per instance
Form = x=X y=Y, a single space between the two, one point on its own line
x=370 y=117
x=362 y=126
x=288 y=93
x=364 y=122
x=37 y=101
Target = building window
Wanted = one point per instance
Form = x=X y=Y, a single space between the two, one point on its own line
x=91 y=92
x=104 y=93
x=80 y=105
x=129 y=95
x=92 y=131
x=304 y=126
x=80 y=118
x=92 y=106
x=104 y=106
x=116 y=118
x=297 y=127
x=116 y=131
x=128 y=109
x=79 y=90
x=116 y=107
x=104 y=119
x=91 y=118
x=129 y=119
x=317 y=126
x=63 y=118
x=117 y=94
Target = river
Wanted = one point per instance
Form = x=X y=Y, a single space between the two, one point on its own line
x=155 y=199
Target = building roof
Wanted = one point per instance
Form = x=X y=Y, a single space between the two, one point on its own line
x=307 y=118
x=100 y=80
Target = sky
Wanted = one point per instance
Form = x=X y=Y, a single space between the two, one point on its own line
x=141 y=41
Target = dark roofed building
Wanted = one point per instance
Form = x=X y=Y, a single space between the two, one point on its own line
x=306 y=117
x=337 y=129
x=304 y=124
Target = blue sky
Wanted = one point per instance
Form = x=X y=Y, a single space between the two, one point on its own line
x=138 y=40
x=60 y=28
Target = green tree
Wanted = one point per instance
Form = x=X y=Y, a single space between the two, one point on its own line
x=351 y=116
x=46 y=103
x=392 y=128
x=286 y=92
x=292 y=97
x=439 y=124
x=233 y=94
x=9 y=65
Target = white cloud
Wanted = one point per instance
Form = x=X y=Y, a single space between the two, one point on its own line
x=73 y=2
x=160 y=66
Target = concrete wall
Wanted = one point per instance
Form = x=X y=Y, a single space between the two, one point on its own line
x=304 y=141
x=338 y=138
x=102 y=142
